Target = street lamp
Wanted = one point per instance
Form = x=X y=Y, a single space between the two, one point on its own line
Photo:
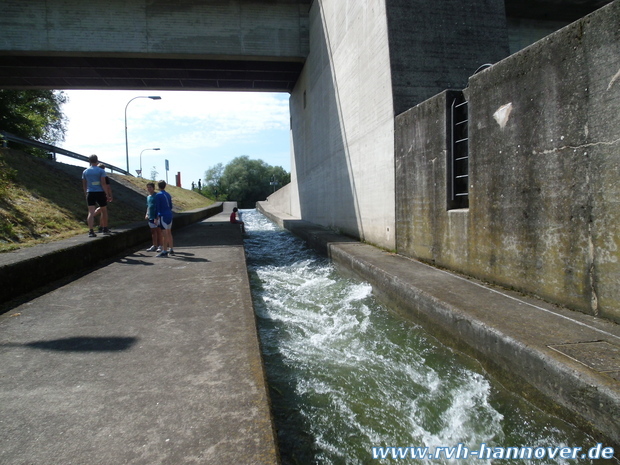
x=141 y=160
x=152 y=97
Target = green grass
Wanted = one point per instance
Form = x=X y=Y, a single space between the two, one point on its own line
x=182 y=199
x=41 y=204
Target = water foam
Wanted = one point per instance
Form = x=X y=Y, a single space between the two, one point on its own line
x=346 y=374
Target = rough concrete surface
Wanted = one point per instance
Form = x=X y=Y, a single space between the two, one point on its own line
x=563 y=360
x=143 y=361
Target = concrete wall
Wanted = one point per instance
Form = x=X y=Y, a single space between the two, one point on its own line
x=544 y=180
x=524 y=32
x=281 y=199
x=368 y=60
x=438 y=45
x=251 y=28
x=342 y=122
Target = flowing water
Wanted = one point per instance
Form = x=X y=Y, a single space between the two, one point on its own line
x=347 y=375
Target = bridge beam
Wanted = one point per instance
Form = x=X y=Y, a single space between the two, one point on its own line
x=132 y=44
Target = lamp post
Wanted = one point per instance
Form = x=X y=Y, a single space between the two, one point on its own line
x=152 y=97
x=141 y=159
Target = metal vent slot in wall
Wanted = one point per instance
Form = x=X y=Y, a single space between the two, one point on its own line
x=458 y=163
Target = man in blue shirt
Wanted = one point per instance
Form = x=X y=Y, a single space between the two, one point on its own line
x=97 y=193
x=163 y=204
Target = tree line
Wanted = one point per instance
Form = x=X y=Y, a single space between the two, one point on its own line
x=243 y=180
x=34 y=114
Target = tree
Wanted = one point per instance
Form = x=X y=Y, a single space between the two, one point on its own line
x=213 y=183
x=246 y=181
x=33 y=114
x=279 y=178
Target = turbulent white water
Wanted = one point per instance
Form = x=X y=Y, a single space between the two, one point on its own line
x=347 y=375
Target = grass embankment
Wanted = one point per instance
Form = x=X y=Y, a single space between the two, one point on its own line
x=39 y=203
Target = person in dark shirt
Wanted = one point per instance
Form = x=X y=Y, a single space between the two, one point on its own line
x=163 y=205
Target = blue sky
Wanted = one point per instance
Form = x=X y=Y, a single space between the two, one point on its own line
x=194 y=130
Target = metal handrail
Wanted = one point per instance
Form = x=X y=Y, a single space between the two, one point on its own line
x=53 y=149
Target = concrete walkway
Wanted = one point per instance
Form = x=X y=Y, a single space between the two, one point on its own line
x=143 y=361
x=543 y=352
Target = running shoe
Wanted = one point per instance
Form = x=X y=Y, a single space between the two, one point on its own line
x=162 y=254
x=152 y=249
x=91 y=233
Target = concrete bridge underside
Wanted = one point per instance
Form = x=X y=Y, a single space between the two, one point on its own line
x=190 y=45
x=84 y=72
x=153 y=44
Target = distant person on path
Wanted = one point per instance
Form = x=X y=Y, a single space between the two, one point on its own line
x=97 y=194
x=151 y=216
x=104 y=222
x=234 y=220
x=163 y=204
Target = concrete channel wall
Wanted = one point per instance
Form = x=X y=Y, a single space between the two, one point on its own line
x=544 y=172
x=27 y=269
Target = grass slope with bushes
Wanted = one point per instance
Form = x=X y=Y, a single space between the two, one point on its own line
x=39 y=203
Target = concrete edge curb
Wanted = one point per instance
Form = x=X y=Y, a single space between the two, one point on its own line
x=259 y=371
x=528 y=371
x=578 y=393
x=52 y=262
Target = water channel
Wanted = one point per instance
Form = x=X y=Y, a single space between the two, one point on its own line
x=346 y=374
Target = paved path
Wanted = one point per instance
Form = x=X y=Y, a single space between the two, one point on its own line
x=144 y=361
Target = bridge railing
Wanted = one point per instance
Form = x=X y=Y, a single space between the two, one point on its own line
x=7 y=136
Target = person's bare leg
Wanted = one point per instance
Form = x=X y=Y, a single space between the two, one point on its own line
x=159 y=238
x=104 y=217
x=90 y=219
x=167 y=240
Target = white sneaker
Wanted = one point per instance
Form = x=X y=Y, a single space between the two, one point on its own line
x=151 y=249
x=159 y=249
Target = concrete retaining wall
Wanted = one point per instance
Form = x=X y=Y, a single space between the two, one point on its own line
x=544 y=129
x=369 y=60
x=342 y=122
x=282 y=199
x=30 y=268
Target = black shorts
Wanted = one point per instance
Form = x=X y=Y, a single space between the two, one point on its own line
x=96 y=198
